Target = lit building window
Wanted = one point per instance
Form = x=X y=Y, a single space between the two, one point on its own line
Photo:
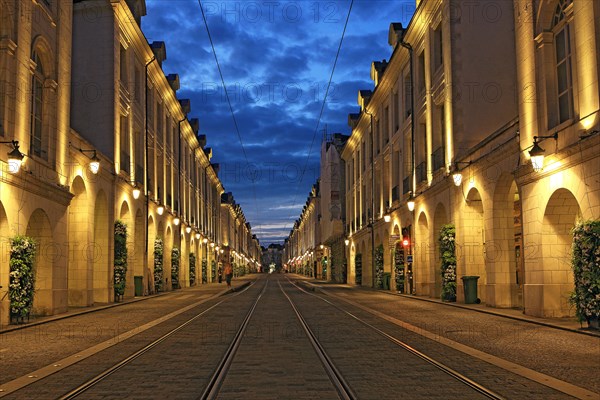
x=37 y=139
x=562 y=48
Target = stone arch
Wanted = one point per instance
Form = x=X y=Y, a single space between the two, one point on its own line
x=102 y=251
x=388 y=254
x=167 y=248
x=560 y=215
x=397 y=258
x=470 y=244
x=40 y=230
x=125 y=215
x=504 y=246
x=351 y=265
x=396 y=230
x=544 y=15
x=367 y=262
x=4 y=265
x=42 y=47
x=80 y=267
x=440 y=218
x=424 y=282
x=139 y=245
x=184 y=253
x=149 y=273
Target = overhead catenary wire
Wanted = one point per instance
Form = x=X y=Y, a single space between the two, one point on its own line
x=324 y=103
x=237 y=129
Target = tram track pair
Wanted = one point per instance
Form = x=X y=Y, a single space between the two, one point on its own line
x=76 y=392
x=442 y=367
x=343 y=389
x=338 y=381
x=219 y=375
x=211 y=391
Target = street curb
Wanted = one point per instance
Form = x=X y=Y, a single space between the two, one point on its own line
x=13 y=328
x=489 y=312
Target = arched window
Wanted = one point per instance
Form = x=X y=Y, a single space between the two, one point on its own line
x=562 y=48
x=38 y=143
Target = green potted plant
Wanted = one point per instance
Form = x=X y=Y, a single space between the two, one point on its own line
x=358 y=269
x=175 y=255
x=379 y=267
x=399 y=268
x=192 y=269
x=120 y=270
x=447 y=240
x=204 y=272
x=21 y=286
x=586 y=271
x=158 y=265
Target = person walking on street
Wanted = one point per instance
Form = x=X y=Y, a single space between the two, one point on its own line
x=227 y=268
x=220 y=272
x=228 y=273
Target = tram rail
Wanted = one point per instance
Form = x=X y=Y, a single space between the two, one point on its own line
x=76 y=392
x=439 y=365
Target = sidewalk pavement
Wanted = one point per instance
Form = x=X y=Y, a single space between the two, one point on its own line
x=236 y=283
x=568 y=324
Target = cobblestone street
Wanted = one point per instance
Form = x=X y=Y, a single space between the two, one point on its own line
x=517 y=359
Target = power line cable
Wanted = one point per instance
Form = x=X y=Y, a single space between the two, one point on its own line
x=324 y=102
x=237 y=129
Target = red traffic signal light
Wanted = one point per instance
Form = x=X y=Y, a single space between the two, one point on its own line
x=405 y=242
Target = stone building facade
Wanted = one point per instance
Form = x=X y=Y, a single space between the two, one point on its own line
x=302 y=247
x=446 y=137
x=333 y=207
x=80 y=84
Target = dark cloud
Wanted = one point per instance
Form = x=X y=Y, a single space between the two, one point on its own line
x=276 y=59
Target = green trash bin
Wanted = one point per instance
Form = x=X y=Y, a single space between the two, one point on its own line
x=139 y=285
x=470 y=287
x=387 y=278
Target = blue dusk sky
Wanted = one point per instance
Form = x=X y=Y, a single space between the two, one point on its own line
x=276 y=58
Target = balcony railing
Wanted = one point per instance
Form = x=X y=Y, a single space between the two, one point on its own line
x=139 y=174
x=406 y=185
x=395 y=194
x=438 y=158
x=125 y=160
x=421 y=172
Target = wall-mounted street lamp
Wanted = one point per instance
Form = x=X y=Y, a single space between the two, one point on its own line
x=15 y=157
x=136 y=191
x=387 y=217
x=411 y=202
x=176 y=221
x=347 y=242
x=197 y=235
x=537 y=154
x=94 y=164
x=188 y=229
x=205 y=240
x=457 y=175
x=160 y=209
